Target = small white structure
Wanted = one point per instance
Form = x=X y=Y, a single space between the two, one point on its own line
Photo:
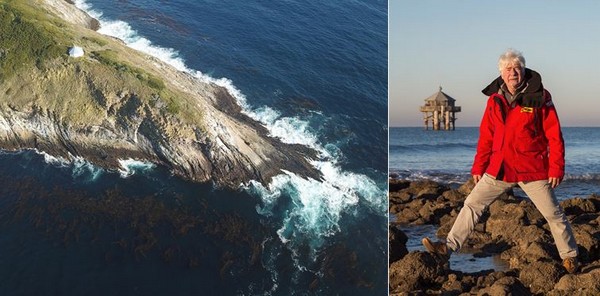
x=76 y=51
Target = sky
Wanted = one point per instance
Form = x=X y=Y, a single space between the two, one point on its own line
x=456 y=45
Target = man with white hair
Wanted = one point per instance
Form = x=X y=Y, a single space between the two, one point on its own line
x=520 y=143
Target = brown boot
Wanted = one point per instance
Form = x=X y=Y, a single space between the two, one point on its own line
x=571 y=264
x=436 y=247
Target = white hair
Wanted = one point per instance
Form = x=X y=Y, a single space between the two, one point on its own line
x=510 y=57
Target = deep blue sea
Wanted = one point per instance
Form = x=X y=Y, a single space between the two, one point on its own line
x=314 y=73
x=447 y=156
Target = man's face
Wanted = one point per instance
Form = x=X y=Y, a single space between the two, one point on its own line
x=512 y=75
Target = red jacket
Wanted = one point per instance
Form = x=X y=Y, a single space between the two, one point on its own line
x=522 y=141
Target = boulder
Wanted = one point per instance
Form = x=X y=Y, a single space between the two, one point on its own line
x=586 y=282
x=541 y=276
x=397 y=185
x=578 y=206
x=587 y=237
x=454 y=196
x=417 y=271
x=508 y=285
x=467 y=187
x=505 y=220
x=400 y=197
x=397 y=244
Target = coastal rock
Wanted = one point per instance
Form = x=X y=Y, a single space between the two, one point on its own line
x=504 y=286
x=416 y=271
x=397 y=185
x=467 y=187
x=454 y=285
x=587 y=234
x=512 y=228
x=505 y=220
x=541 y=276
x=454 y=196
x=578 y=206
x=397 y=244
x=583 y=283
x=63 y=8
x=116 y=103
x=422 y=202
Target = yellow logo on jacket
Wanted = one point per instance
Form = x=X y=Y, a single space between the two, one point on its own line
x=526 y=109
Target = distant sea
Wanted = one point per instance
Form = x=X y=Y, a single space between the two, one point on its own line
x=447 y=156
x=314 y=73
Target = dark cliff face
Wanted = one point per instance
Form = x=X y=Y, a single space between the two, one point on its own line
x=116 y=103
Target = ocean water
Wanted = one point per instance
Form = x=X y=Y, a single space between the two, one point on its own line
x=313 y=73
x=447 y=156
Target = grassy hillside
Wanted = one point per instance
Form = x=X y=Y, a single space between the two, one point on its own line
x=29 y=38
x=36 y=72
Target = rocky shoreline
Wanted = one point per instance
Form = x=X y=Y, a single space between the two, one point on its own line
x=511 y=228
x=118 y=103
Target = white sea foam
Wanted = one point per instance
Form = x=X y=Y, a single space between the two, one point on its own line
x=80 y=167
x=131 y=166
x=85 y=169
x=317 y=205
x=55 y=160
x=288 y=129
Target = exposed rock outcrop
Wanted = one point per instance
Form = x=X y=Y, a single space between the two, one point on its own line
x=512 y=228
x=118 y=103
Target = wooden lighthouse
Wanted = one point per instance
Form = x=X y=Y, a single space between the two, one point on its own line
x=440 y=109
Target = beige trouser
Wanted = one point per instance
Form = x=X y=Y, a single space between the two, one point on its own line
x=542 y=195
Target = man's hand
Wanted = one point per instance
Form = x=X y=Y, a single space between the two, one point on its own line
x=476 y=178
x=553 y=181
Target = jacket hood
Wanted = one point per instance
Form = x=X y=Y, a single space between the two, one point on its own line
x=533 y=94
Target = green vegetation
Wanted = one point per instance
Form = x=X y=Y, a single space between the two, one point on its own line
x=109 y=57
x=98 y=41
x=36 y=72
x=28 y=38
x=173 y=106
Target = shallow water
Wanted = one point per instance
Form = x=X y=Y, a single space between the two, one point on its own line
x=461 y=261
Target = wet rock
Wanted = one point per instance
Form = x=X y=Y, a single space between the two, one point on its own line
x=397 y=244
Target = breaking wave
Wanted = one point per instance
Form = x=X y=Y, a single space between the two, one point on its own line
x=316 y=205
x=131 y=166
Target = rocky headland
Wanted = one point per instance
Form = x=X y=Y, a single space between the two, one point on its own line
x=512 y=228
x=118 y=103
